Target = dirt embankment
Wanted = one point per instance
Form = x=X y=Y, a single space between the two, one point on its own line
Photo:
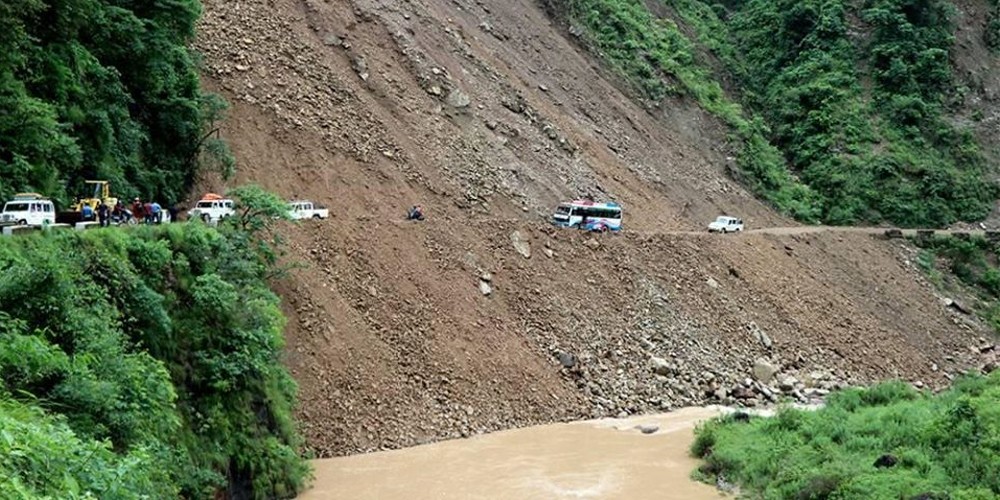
x=487 y=115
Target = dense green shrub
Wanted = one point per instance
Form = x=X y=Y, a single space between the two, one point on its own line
x=101 y=89
x=946 y=445
x=155 y=348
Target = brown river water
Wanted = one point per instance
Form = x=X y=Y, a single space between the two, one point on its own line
x=607 y=458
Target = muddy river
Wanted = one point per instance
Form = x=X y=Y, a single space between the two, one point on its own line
x=592 y=459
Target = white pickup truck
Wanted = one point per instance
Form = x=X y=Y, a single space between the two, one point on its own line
x=307 y=210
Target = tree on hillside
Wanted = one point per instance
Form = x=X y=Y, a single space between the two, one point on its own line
x=101 y=89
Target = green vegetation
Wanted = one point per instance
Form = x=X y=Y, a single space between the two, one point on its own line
x=145 y=364
x=850 y=97
x=102 y=89
x=974 y=262
x=140 y=363
x=992 y=33
x=944 y=446
x=658 y=59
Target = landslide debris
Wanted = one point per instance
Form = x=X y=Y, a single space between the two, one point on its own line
x=404 y=332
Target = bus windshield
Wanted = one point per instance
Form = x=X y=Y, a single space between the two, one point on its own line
x=563 y=209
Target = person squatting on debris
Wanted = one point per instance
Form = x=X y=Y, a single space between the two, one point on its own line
x=415 y=213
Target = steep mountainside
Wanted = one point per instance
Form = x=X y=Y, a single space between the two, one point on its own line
x=488 y=113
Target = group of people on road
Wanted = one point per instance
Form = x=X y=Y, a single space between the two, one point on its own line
x=142 y=213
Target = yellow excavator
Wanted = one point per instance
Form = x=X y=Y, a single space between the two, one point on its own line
x=101 y=193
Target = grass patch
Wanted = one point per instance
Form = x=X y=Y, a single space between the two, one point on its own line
x=943 y=446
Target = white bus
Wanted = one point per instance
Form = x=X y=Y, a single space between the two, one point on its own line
x=584 y=214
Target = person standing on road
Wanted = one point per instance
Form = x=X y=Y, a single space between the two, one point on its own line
x=156 y=212
x=137 y=211
x=103 y=214
x=173 y=212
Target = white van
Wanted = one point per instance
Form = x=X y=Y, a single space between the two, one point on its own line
x=299 y=210
x=724 y=224
x=212 y=209
x=28 y=209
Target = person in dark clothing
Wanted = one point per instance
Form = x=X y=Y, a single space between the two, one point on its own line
x=147 y=210
x=173 y=212
x=103 y=214
x=415 y=213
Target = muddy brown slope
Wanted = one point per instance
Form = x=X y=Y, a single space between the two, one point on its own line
x=488 y=115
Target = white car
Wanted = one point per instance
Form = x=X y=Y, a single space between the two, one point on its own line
x=724 y=224
x=28 y=209
x=307 y=210
x=212 y=210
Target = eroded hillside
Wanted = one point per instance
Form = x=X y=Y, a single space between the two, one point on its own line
x=488 y=114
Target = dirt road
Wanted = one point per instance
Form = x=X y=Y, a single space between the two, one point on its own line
x=792 y=230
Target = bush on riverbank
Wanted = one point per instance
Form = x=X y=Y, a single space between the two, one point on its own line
x=945 y=445
x=143 y=364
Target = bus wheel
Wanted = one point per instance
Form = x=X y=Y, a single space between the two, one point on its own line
x=207 y=218
x=22 y=222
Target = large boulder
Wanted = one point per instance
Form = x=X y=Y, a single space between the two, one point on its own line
x=763 y=371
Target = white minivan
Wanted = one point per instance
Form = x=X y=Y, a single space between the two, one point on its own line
x=212 y=209
x=28 y=209
x=724 y=224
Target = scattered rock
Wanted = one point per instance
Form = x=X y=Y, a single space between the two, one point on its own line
x=712 y=283
x=520 y=244
x=485 y=288
x=952 y=303
x=647 y=428
x=542 y=87
x=434 y=90
x=787 y=384
x=593 y=244
x=885 y=461
x=487 y=277
x=759 y=335
x=741 y=417
x=566 y=359
x=458 y=99
x=661 y=367
x=763 y=371
x=360 y=66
